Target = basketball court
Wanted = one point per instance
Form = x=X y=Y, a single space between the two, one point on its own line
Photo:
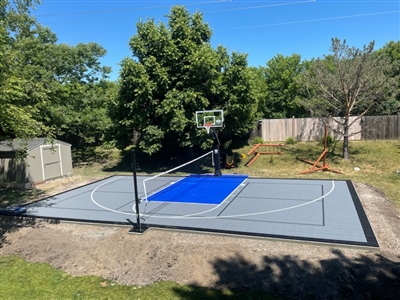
x=319 y=211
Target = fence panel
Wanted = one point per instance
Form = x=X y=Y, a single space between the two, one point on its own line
x=312 y=129
x=381 y=127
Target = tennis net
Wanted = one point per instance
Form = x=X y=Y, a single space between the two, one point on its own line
x=145 y=182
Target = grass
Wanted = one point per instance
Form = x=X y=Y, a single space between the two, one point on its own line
x=20 y=279
x=378 y=162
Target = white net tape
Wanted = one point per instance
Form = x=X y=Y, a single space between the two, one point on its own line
x=169 y=171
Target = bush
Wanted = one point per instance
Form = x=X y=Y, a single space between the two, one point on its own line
x=290 y=141
x=257 y=140
x=330 y=140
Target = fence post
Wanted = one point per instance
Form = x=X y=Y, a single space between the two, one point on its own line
x=293 y=127
x=398 y=126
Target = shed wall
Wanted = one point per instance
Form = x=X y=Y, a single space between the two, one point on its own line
x=43 y=163
x=66 y=159
x=12 y=170
x=34 y=162
x=51 y=161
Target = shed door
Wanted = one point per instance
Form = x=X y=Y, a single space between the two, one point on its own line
x=51 y=163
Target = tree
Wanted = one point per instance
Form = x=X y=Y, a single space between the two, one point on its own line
x=239 y=99
x=349 y=80
x=281 y=88
x=17 y=114
x=77 y=92
x=391 y=51
x=48 y=89
x=176 y=72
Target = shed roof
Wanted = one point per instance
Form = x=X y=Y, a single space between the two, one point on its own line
x=16 y=144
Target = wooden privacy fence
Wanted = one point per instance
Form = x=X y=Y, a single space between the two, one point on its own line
x=312 y=129
x=381 y=127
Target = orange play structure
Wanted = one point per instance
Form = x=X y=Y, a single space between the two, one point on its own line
x=315 y=165
x=267 y=149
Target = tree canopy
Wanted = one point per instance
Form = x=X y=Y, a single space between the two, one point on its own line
x=47 y=88
x=175 y=72
x=348 y=82
x=391 y=53
x=58 y=90
x=17 y=113
x=281 y=90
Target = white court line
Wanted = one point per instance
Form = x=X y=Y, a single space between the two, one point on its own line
x=168 y=171
x=206 y=211
x=194 y=216
x=244 y=215
x=145 y=198
x=201 y=204
x=107 y=208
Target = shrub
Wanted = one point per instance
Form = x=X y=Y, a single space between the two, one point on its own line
x=257 y=140
x=329 y=140
x=290 y=141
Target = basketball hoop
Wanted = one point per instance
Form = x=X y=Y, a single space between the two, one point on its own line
x=208 y=126
x=212 y=119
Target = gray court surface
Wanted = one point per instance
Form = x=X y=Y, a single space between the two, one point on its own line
x=323 y=211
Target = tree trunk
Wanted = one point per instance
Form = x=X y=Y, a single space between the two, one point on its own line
x=346 y=147
x=345 y=152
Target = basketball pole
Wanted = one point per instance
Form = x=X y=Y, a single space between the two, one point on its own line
x=216 y=156
x=138 y=225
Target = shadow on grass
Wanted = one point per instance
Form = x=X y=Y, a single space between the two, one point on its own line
x=12 y=198
x=10 y=224
x=195 y=292
x=340 y=277
x=312 y=152
x=17 y=197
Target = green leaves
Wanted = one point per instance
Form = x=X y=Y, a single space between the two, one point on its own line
x=281 y=89
x=48 y=88
x=176 y=73
x=240 y=105
x=151 y=135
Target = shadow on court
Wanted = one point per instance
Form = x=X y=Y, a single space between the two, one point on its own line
x=341 y=277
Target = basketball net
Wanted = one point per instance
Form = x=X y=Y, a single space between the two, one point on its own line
x=207 y=126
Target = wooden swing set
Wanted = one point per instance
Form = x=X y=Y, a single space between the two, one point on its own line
x=270 y=149
x=315 y=165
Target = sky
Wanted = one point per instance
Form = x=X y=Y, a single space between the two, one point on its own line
x=262 y=29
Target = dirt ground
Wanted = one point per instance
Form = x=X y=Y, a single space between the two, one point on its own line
x=289 y=269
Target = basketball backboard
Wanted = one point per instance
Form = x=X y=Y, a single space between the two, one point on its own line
x=212 y=118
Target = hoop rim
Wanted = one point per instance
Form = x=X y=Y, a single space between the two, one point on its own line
x=208 y=126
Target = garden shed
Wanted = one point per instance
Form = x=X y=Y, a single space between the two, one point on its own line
x=44 y=161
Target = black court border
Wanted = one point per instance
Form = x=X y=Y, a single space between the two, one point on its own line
x=368 y=231
x=367 y=228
